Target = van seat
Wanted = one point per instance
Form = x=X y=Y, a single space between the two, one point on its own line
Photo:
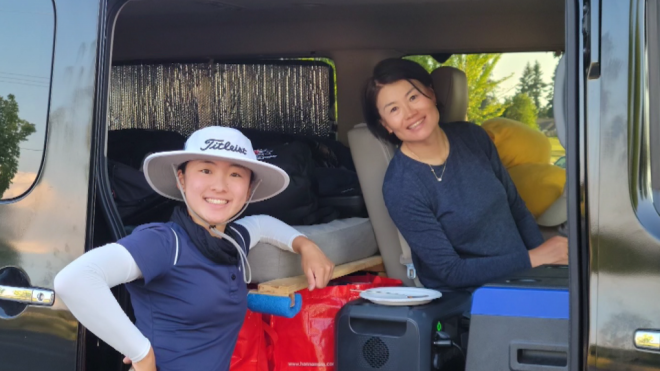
x=342 y=241
x=372 y=156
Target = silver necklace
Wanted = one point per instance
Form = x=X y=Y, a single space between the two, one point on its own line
x=444 y=166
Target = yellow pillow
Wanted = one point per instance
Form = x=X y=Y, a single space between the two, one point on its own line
x=517 y=143
x=539 y=185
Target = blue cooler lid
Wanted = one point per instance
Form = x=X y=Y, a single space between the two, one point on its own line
x=540 y=292
x=521 y=302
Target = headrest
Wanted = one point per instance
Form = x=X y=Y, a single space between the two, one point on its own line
x=451 y=91
x=559 y=101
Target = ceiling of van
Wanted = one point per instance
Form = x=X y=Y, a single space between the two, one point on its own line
x=170 y=29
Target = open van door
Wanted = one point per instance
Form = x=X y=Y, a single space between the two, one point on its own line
x=623 y=178
x=48 y=73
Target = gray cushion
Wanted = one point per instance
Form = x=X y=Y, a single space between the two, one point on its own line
x=342 y=240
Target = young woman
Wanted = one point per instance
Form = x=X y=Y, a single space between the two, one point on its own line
x=446 y=189
x=187 y=278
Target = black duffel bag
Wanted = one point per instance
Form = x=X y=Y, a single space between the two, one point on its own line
x=131 y=146
x=137 y=203
x=298 y=203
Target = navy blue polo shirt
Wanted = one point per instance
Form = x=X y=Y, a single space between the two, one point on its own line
x=190 y=308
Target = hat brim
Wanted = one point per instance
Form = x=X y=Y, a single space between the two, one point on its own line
x=160 y=169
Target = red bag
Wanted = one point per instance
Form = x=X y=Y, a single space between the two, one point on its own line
x=254 y=346
x=307 y=341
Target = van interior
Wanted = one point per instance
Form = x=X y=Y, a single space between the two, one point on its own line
x=291 y=70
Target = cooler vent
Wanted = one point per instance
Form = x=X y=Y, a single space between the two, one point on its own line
x=375 y=352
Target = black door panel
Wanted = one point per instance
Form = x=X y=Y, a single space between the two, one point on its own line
x=43 y=225
x=624 y=239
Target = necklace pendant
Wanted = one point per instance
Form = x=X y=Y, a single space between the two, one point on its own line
x=439 y=179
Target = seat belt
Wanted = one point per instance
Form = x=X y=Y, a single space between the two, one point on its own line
x=406 y=259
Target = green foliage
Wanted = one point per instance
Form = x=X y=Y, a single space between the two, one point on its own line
x=429 y=63
x=482 y=100
x=531 y=83
x=521 y=108
x=13 y=130
x=483 y=103
x=549 y=110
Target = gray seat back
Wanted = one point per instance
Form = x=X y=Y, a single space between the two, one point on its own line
x=557 y=213
x=372 y=157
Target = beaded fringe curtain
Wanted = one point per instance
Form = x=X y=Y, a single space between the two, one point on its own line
x=292 y=99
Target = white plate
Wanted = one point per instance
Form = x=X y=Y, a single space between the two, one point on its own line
x=400 y=295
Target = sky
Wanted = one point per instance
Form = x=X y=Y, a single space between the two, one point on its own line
x=513 y=64
x=26 y=36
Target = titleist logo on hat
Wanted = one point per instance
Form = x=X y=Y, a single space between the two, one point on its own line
x=221 y=145
x=214 y=143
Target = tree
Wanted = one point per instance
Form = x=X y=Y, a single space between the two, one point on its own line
x=521 y=108
x=549 y=110
x=531 y=83
x=13 y=130
x=482 y=88
x=483 y=103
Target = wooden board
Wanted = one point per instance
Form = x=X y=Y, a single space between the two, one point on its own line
x=380 y=268
x=289 y=285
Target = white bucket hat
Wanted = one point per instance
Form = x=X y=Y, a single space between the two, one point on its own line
x=214 y=143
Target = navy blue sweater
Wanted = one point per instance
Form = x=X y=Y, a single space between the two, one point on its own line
x=472 y=227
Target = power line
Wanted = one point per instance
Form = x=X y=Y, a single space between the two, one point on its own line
x=29 y=79
x=23 y=83
x=24 y=75
x=24 y=80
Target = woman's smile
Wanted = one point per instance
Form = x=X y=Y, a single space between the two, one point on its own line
x=416 y=124
x=216 y=201
x=215 y=190
x=406 y=108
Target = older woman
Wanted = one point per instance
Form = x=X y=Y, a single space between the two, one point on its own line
x=446 y=189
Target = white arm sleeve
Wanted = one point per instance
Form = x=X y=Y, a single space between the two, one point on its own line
x=267 y=229
x=84 y=286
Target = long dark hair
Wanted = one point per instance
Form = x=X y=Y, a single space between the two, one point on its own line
x=386 y=72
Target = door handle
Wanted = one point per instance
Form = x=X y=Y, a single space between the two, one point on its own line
x=526 y=356
x=28 y=295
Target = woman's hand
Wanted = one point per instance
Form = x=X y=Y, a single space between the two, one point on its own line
x=317 y=267
x=147 y=363
x=552 y=251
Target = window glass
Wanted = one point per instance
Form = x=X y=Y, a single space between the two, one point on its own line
x=26 y=36
x=518 y=86
x=333 y=94
x=653 y=81
x=287 y=96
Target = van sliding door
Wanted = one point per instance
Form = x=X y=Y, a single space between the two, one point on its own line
x=622 y=133
x=48 y=72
